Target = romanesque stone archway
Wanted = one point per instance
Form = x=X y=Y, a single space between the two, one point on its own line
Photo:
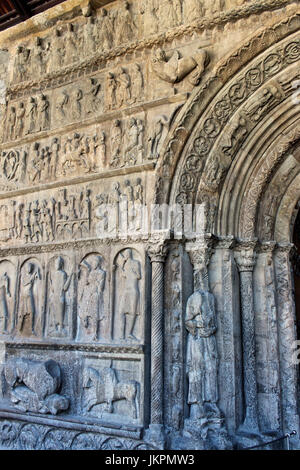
x=235 y=149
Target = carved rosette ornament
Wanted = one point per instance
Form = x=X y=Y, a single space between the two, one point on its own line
x=157 y=252
x=245 y=257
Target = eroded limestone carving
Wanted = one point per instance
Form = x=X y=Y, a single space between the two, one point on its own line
x=128 y=305
x=91 y=313
x=176 y=68
x=5 y=296
x=202 y=357
x=59 y=283
x=29 y=317
x=103 y=387
x=34 y=386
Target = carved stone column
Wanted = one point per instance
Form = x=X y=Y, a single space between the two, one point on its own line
x=287 y=338
x=245 y=256
x=267 y=355
x=157 y=252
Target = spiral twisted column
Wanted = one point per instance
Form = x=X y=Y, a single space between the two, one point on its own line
x=157 y=252
x=245 y=257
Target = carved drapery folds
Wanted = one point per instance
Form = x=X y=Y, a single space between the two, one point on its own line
x=205 y=423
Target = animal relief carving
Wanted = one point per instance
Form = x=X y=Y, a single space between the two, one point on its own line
x=34 y=386
x=103 y=387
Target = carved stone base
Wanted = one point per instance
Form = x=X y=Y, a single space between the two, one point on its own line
x=203 y=434
x=26 y=432
x=155 y=436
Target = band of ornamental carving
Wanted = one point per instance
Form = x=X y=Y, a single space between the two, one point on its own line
x=213 y=169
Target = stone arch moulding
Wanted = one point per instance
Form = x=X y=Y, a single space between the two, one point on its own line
x=240 y=99
x=231 y=144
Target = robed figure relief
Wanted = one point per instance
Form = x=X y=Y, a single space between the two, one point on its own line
x=127 y=295
x=30 y=300
x=59 y=287
x=7 y=298
x=202 y=356
x=91 y=316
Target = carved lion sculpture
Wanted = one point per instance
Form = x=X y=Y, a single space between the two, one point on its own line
x=34 y=385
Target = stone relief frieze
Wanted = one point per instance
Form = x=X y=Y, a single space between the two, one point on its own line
x=111 y=393
x=107 y=28
x=34 y=386
x=63 y=217
x=76 y=212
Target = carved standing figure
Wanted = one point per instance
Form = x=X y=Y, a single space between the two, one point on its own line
x=202 y=356
x=116 y=143
x=11 y=123
x=94 y=96
x=124 y=87
x=59 y=284
x=125 y=27
x=38 y=61
x=91 y=299
x=28 y=298
x=4 y=294
x=112 y=86
x=21 y=64
x=106 y=30
x=32 y=115
x=70 y=45
x=44 y=113
x=57 y=51
x=129 y=305
x=137 y=83
x=130 y=157
x=156 y=137
x=20 y=114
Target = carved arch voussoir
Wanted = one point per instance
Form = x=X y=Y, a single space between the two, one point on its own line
x=269 y=51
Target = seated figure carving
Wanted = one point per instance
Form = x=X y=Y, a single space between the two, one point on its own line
x=34 y=386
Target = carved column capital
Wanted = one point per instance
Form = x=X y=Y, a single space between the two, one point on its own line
x=157 y=250
x=226 y=243
x=200 y=252
x=266 y=247
x=245 y=255
x=285 y=248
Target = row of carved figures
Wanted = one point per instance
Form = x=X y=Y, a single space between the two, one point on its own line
x=74 y=215
x=124 y=144
x=43 y=299
x=71 y=104
x=106 y=30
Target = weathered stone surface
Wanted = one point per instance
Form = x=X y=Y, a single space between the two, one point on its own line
x=149 y=186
